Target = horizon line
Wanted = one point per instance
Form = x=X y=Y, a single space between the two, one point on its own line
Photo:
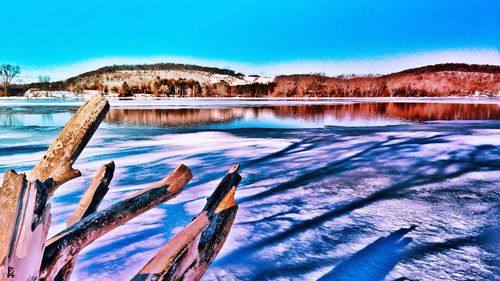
x=376 y=66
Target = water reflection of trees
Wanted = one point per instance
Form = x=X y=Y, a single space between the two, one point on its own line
x=171 y=117
x=367 y=111
x=10 y=120
x=406 y=111
x=48 y=118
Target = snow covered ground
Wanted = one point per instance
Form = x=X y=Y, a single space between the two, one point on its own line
x=316 y=200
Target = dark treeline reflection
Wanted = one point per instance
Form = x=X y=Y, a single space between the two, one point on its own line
x=316 y=113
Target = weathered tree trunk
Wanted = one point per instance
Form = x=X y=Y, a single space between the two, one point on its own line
x=25 y=220
x=189 y=253
x=24 y=212
x=65 y=245
x=57 y=162
x=94 y=194
x=89 y=203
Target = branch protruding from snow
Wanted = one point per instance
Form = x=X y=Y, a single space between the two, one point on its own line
x=64 y=246
x=189 y=253
x=57 y=162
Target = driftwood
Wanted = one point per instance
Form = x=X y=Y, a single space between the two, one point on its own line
x=25 y=252
x=94 y=194
x=25 y=219
x=89 y=203
x=25 y=214
x=57 y=162
x=64 y=246
x=189 y=253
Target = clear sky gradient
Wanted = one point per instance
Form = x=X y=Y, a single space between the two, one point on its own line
x=44 y=34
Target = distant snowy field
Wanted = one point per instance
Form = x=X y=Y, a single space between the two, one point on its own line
x=313 y=200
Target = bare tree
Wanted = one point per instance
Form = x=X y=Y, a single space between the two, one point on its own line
x=44 y=79
x=8 y=72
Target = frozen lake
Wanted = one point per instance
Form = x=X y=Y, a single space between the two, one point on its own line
x=324 y=181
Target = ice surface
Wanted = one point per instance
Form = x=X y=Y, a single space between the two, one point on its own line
x=314 y=202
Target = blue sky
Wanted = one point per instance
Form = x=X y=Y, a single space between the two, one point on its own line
x=48 y=34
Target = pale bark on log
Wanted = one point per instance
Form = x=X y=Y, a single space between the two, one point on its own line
x=24 y=212
x=57 y=162
x=25 y=219
x=205 y=249
x=89 y=203
x=189 y=253
x=94 y=194
x=65 y=245
x=167 y=255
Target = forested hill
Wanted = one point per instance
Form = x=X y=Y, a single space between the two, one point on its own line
x=428 y=81
x=181 y=80
x=460 y=67
x=154 y=67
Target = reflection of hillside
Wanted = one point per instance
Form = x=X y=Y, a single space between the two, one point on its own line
x=406 y=111
x=9 y=120
x=173 y=117
x=434 y=111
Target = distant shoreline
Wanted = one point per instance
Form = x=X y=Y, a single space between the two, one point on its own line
x=275 y=101
x=171 y=80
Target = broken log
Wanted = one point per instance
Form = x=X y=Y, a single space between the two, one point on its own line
x=89 y=203
x=57 y=162
x=25 y=220
x=189 y=253
x=64 y=246
x=24 y=212
x=94 y=194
